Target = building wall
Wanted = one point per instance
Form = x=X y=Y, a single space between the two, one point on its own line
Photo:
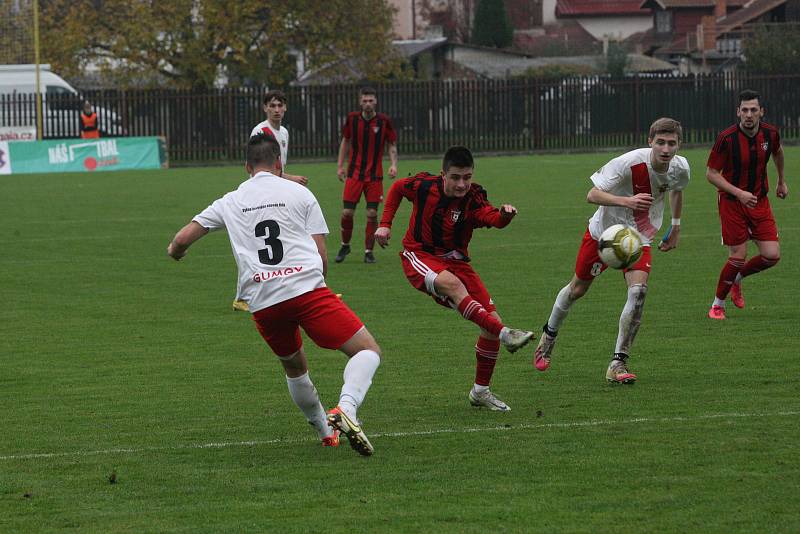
x=686 y=20
x=403 y=27
x=548 y=11
x=615 y=27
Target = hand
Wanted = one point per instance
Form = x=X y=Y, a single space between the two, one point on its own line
x=393 y=172
x=340 y=173
x=175 y=252
x=640 y=201
x=302 y=180
x=747 y=198
x=507 y=211
x=382 y=235
x=672 y=239
x=782 y=190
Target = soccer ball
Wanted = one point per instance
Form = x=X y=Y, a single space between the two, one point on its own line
x=620 y=246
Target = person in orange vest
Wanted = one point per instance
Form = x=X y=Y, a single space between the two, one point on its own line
x=89 y=128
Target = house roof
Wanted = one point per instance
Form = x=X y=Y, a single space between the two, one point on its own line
x=670 y=4
x=413 y=47
x=489 y=63
x=567 y=34
x=753 y=10
x=598 y=8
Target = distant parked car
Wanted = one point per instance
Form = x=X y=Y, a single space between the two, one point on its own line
x=61 y=103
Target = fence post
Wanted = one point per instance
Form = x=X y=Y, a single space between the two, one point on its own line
x=636 y=118
x=233 y=139
x=435 y=114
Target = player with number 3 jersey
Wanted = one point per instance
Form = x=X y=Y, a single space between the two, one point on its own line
x=277 y=233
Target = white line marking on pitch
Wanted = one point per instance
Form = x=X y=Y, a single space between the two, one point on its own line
x=432 y=432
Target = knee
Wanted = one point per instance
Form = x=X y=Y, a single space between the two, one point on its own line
x=372 y=213
x=576 y=291
x=446 y=285
x=347 y=213
x=638 y=289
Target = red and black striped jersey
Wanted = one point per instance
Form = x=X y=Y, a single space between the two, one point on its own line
x=439 y=224
x=367 y=138
x=742 y=159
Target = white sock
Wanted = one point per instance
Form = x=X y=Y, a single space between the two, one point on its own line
x=477 y=388
x=560 y=309
x=358 y=375
x=305 y=396
x=630 y=318
x=719 y=302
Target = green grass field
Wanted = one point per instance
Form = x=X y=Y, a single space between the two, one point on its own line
x=118 y=363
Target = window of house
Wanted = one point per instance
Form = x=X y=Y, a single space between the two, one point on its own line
x=663 y=21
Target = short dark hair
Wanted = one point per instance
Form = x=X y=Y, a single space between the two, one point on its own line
x=276 y=94
x=368 y=91
x=665 y=125
x=749 y=94
x=262 y=150
x=457 y=156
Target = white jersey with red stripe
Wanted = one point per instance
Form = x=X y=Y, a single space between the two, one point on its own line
x=282 y=135
x=270 y=222
x=628 y=175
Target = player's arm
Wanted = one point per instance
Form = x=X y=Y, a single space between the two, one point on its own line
x=302 y=180
x=319 y=239
x=344 y=149
x=781 y=190
x=184 y=239
x=640 y=201
x=390 y=206
x=676 y=207
x=488 y=215
x=392 y=159
x=745 y=197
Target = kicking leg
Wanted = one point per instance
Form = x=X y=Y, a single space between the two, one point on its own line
x=365 y=358
x=446 y=284
x=564 y=300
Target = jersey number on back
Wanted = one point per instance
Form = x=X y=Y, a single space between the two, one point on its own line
x=273 y=254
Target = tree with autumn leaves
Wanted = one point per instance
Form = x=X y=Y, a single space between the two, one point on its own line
x=192 y=43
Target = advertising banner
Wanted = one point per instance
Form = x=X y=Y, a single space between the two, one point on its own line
x=5 y=160
x=17 y=133
x=85 y=155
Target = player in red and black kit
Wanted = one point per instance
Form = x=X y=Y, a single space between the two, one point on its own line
x=364 y=135
x=737 y=166
x=435 y=258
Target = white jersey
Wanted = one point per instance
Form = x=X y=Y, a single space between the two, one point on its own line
x=282 y=135
x=628 y=175
x=270 y=222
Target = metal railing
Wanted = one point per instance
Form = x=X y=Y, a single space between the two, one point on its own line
x=515 y=115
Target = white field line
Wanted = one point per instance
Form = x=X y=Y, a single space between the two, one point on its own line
x=432 y=432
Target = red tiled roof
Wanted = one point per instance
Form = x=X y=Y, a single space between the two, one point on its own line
x=667 y=4
x=582 y=8
x=746 y=14
x=569 y=31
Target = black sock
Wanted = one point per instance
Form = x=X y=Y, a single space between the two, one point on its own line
x=550 y=332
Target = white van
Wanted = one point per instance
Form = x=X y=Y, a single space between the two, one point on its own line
x=61 y=103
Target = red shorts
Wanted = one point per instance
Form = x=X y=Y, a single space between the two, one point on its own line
x=589 y=265
x=373 y=192
x=741 y=224
x=324 y=318
x=421 y=267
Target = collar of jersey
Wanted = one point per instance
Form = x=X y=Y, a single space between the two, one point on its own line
x=264 y=174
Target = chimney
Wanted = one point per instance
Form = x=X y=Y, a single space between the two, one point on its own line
x=707 y=34
x=720 y=9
